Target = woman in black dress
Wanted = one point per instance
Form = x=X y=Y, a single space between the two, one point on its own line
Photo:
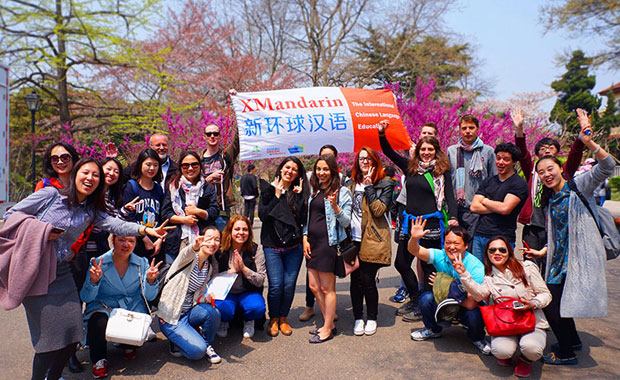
x=329 y=214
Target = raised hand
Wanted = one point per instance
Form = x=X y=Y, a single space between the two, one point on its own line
x=417 y=228
x=517 y=117
x=159 y=232
x=95 y=271
x=383 y=124
x=198 y=242
x=153 y=272
x=585 y=122
x=533 y=253
x=279 y=187
x=368 y=177
x=111 y=150
x=299 y=188
x=457 y=264
x=332 y=198
x=131 y=206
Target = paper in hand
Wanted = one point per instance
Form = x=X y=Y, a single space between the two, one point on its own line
x=220 y=285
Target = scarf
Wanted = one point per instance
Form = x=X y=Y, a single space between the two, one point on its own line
x=475 y=169
x=192 y=193
x=438 y=182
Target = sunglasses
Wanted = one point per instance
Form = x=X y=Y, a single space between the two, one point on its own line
x=500 y=249
x=186 y=165
x=212 y=134
x=65 y=157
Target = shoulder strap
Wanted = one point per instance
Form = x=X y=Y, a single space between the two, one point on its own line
x=142 y=288
x=429 y=178
x=573 y=187
x=177 y=272
x=134 y=186
x=49 y=205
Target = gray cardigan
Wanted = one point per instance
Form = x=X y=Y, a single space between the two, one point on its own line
x=585 y=288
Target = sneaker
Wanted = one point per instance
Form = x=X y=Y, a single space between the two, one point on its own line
x=553 y=358
x=371 y=327
x=129 y=353
x=248 y=329
x=424 y=334
x=483 y=346
x=358 y=327
x=100 y=369
x=406 y=308
x=151 y=336
x=212 y=356
x=222 y=331
x=174 y=350
x=401 y=295
x=413 y=316
x=523 y=367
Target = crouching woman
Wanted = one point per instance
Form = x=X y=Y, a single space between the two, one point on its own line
x=184 y=306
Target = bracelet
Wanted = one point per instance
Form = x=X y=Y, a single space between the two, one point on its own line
x=595 y=151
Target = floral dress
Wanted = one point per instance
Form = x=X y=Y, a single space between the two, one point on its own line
x=559 y=218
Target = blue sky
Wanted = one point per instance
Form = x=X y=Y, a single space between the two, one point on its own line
x=516 y=56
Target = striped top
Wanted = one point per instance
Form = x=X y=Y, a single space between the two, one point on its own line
x=196 y=279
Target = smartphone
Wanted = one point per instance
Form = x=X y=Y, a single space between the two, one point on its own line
x=56 y=230
x=518 y=305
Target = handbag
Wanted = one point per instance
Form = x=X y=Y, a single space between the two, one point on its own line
x=347 y=257
x=129 y=327
x=605 y=225
x=502 y=319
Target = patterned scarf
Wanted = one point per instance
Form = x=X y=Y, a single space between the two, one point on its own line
x=438 y=182
x=476 y=166
x=192 y=193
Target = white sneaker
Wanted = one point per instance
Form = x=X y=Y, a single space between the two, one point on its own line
x=248 y=329
x=358 y=327
x=424 y=334
x=222 y=331
x=371 y=327
x=483 y=346
x=212 y=356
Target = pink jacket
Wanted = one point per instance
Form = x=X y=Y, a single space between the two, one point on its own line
x=27 y=259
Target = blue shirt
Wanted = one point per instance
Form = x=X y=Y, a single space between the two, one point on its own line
x=442 y=263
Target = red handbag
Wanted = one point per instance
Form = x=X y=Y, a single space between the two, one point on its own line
x=502 y=319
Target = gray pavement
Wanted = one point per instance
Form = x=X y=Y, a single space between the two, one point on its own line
x=389 y=354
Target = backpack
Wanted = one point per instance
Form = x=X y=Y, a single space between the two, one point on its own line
x=605 y=224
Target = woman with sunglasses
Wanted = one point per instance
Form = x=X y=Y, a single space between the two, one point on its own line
x=370 y=230
x=428 y=186
x=55 y=318
x=190 y=204
x=58 y=162
x=506 y=276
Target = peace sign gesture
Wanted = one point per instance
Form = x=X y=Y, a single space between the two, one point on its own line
x=457 y=264
x=95 y=271
x=279 y=186
x=153 y=272
x=368 y=177
x=131 y=206
x=159 y=232
x=333 y=201
x=298 y=189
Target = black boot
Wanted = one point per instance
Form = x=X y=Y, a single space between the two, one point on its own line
x=74 y=365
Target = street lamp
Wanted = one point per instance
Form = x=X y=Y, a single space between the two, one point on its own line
x=33 y=102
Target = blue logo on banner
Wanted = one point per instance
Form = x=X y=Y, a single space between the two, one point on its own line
x=296 y=149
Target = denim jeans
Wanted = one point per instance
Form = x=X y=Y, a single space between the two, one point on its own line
x=252 y=304
x=283 y=266
x=478 y=244
x=470 y=318
x=184 y=335
x=221 y=222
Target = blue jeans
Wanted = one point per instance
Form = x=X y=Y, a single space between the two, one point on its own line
x=184 y=335
x=283 y=266
x=478 y=244
x=222 y=220
x=470 y=318
x=252 y=303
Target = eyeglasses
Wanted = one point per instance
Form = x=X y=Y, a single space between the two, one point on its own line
x=212 y=134
x=363 y=159
x=65 y=157
x=500 y=249
x=186 y=165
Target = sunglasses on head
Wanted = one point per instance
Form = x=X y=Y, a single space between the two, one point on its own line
x=500 y=249
x=65 y=157
x=186 y=165
x=212 y=134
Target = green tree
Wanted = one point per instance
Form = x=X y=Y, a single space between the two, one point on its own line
x=610 y=119
x=573 y=90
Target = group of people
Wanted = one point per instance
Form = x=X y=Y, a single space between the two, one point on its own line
x=156 y=233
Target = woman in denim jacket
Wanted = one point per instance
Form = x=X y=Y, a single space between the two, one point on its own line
x=329 y=206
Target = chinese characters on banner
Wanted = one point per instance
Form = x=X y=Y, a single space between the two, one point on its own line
x=299 y=121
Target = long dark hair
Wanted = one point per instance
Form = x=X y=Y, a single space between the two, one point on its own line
x=547 y=192
x=97 y=198
x=48 y=169
x=513 y=263
x=356 y=173
x=334 y=182
x=290 y=194
x=137 y=170
x=116 y=190
x=179 y=173
x=442 y=164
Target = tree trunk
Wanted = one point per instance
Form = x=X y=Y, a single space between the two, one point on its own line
x=61 y=68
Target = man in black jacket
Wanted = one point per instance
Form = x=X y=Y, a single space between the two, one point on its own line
x=249 y=192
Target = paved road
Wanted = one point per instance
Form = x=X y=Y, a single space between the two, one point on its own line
x=389 y=354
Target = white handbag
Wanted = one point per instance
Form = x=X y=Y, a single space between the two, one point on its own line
x=129 y=327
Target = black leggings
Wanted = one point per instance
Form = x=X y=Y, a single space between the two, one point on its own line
x=95 y=337
x=564 y=328
x=51 y=363
x=364 y=286
x=403 y=266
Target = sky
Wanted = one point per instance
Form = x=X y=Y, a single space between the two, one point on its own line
x=517 y=57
